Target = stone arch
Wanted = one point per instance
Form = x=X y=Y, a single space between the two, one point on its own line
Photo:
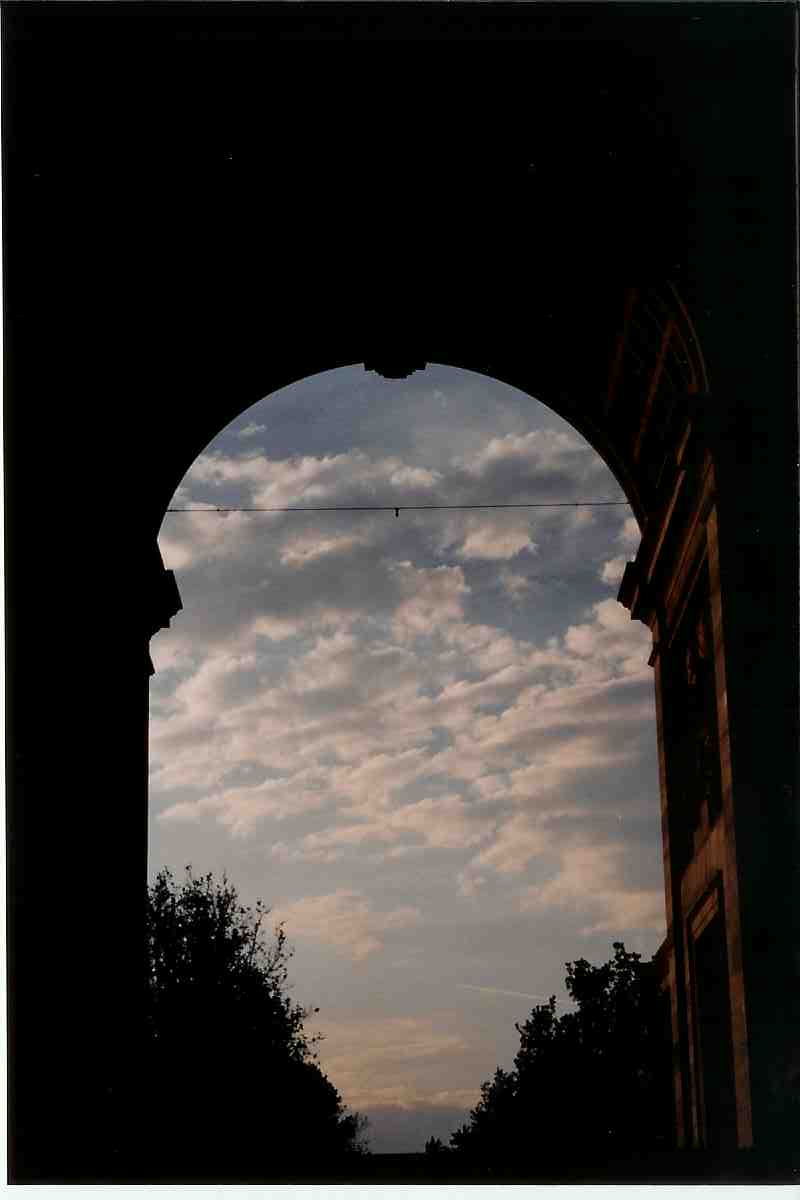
x=649 y=425
x=175 y=252
x=651 y=377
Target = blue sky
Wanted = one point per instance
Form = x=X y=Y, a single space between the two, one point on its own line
x=427 y=742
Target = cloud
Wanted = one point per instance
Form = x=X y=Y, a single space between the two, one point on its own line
x=262 y=569
x=432 y=597
x=470 y=881
x=519 y=840
x=404 y=476
x=544 y=462
x=399 y=1061
x=613 y=570
x=430 y=736
x=240 y=810
x=354 y=478
x=439 y=823
x=387 y=702
x=345 y=920
x=608 y=639
x=443 y=822
x=304 y=549
x=515 y=586
x=540 y=460
x=590 y=881
x=189 y=539
x=495 y=539
x=630 y=535
x=348 y=725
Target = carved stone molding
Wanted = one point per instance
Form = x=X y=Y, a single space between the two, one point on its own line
x=390 y=366
x=163 y=600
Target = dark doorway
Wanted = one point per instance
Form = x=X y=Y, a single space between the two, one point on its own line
x=717 y=1103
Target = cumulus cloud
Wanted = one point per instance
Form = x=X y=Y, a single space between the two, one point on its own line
x=613 y=570
x=354 y=477
x=590 y=882
x=438 y=822
x=240 y=810
x=611 y=639
x=190 y=539
x=445 y=822
x=398 y=1061
x=304 y=549
x=349 y=700
x=630 y=534
x=543 y=458
x=495 y=540
x=519 y=840
x=629 y=537
x=515 y=586
x=345 y=920
x=432 y=597
x=348 y=725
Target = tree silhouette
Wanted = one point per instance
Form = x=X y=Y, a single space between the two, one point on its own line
x=234 y=1090
x=595 y=1080
x=434 y=1145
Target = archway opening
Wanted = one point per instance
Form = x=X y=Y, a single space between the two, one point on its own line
x=424 y=735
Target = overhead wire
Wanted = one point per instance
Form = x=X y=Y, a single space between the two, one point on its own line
x=397 y=508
